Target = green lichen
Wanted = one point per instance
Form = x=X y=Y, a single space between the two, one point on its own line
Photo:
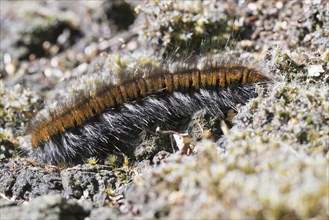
x=294 y=110
x=92 y=161
x=250 y=180
x=185 y=27
x=8 y=144
x=17 y=106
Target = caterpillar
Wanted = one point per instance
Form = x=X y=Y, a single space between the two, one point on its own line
x=108 y=119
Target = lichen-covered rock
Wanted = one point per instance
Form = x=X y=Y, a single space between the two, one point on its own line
x=185 y=27
x=16 y=110
x=256 y=177
x=293 y=113
x=98 y=183
x=6 y=203
x=104 y=213
x=295 y=109
x=48 y=207
x=23 y=181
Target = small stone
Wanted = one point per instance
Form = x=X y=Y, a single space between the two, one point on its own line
x=284 y=25
x=54 y=62
x=279 y=5
x=246 y=43
x=315 y=70
x=307 y=38
x=91 y=50
x=132 y=45
x=252 y=6
x=7 y=58
x=325 y=55
x=10 y=68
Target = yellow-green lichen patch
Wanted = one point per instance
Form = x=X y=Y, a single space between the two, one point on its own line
x=17 y=107
x=186 y=27
x=294 y=110
x=253 y=179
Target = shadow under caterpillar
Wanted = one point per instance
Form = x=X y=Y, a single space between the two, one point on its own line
x=108 y=120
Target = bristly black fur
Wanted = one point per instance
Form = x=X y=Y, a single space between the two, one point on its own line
x=116 y=130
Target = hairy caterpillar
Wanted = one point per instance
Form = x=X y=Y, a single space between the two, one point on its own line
x=110 y=118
